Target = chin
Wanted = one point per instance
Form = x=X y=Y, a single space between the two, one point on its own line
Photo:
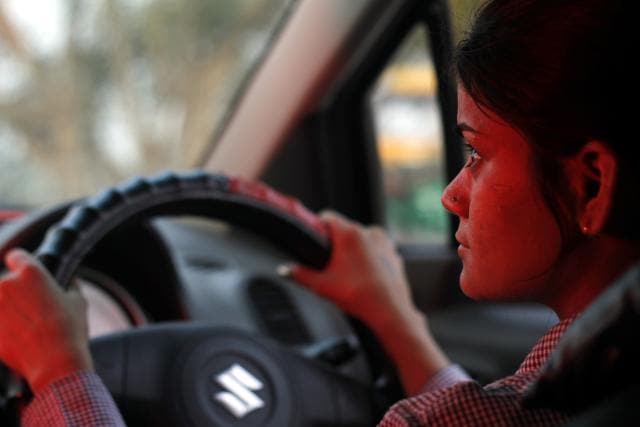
x=473 y=293
x=480 y=290
x=469 y=286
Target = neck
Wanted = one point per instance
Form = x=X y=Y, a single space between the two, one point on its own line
x=587 y=271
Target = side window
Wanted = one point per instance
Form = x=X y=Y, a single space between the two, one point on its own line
x=408 y=128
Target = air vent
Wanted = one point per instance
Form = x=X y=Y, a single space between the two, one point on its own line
x=276 y=312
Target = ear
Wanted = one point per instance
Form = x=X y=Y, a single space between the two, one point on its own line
x=593 y=173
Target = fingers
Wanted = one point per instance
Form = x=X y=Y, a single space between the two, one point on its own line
x=27 y=266
x=339 y=224
x=295 y=272
x=28 y=283
x=345 y=235
x=379 y=236
x=332 y=215
x=338 y=227
x=349 y=238
x=16 y=258
x=308 y=277
x=303 y=275
x=317 y=282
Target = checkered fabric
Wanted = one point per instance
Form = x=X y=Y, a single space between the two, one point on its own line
x=468 y=404
x=81 y=399
x=446 y=377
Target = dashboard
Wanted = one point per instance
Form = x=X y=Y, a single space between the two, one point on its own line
x=204 y=271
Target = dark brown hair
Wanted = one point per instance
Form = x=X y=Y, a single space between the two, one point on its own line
x=560 y=72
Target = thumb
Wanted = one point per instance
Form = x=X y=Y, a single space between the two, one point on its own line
x=18 y=260
x=306 y=276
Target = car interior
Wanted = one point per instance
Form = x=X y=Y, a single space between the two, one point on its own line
x=178 y=260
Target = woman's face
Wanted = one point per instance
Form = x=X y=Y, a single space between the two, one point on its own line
x=509 y=239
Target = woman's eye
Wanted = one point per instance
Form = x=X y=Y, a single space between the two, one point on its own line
x=472 y=155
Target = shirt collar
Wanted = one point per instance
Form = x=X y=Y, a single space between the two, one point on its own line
x=543 y=348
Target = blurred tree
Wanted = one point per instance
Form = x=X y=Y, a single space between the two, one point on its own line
x=139 y=86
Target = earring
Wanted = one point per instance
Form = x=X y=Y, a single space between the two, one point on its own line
x=585 y=229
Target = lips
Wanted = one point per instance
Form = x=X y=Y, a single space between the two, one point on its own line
x=461 y=240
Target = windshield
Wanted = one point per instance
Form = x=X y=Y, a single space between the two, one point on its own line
x=93 y=92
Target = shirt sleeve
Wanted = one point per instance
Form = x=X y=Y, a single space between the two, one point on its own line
x=80 y=399
x=469 y=404
x=446 y=377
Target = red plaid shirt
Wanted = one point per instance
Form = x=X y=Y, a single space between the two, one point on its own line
x=468 y=404
x=78 y=400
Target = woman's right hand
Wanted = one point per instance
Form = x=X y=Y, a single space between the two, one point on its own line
x=43 y=329
x=365 y=277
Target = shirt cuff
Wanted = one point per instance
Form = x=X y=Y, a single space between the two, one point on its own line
x=446 y=377
x=80 y=399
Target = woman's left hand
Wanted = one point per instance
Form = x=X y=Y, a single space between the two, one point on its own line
x=365 y=275
x=366 y=278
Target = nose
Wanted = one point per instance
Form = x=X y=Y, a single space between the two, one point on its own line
x=455 y=196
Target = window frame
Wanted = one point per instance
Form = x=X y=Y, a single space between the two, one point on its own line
x=349 y=139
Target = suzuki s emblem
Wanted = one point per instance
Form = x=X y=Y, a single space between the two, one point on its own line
x=239 y=397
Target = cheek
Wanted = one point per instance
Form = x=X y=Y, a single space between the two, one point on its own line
x=515 y=242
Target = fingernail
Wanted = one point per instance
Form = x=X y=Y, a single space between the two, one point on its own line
x=284 y=270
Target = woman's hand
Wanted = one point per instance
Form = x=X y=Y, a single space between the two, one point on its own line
x=365 y=277
x=43 y=329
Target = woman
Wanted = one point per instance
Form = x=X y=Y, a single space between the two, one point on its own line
x=544 y=203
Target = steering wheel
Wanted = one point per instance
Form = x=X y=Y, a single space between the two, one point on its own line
x=193 y=374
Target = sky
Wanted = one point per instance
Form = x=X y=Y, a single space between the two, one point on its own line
x=42 y=23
